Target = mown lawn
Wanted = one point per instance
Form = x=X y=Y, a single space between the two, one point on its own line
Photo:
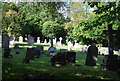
x=40 y=68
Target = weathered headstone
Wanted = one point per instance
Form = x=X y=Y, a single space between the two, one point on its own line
x=38 y=40
x=20 y=39
x=92 y=54
x=5 y=41
x=30 y=40
x=111 y=61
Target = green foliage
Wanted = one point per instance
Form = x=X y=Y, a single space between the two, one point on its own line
x=10 y=17
x=51 y=29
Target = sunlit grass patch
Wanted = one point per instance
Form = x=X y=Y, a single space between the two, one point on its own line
x=42 y=68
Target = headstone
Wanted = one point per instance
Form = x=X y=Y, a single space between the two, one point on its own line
x=41 y=48
x=76 y=44
x=70 y=45
x=92 y=54
x=30 y=40
x=31 y=54
x=63 y=50
x=7 y=53
x=111 y=61
x=58 y=59
x=12 y=40
x=20 y=39
x=5 y=41
x=54 y=41
x=51 y=50
x=45 y=41
x=70 y=57
x=38 y=40
x=60 y=40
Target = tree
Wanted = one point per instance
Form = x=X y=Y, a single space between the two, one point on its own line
x=51 y=29
x=10 y=17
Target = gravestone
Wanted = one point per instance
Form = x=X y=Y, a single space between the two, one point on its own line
x=70 y=45
x=60 y=40
x=41 y=48
x=63 y=50
x=76 y=45
x=51 y=49
x=54 y=41
x=45 y=41
x=12 y=40
x=38 y=40
x=58 y=59
x=5 y=41
x=30 y=41
x=20 y=39
x=92 y=54
x=31 y=54
x=7 y=53
x=70 y=57
x=111 y=61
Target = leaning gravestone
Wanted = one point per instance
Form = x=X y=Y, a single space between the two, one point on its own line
x=92 y=54
x=5 y=41
x=30 y=40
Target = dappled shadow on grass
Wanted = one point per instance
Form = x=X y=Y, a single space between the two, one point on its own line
x=40 y=68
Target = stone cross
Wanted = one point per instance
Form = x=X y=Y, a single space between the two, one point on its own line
x=110 y=33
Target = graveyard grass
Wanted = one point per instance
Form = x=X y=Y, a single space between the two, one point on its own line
x=13 y=68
